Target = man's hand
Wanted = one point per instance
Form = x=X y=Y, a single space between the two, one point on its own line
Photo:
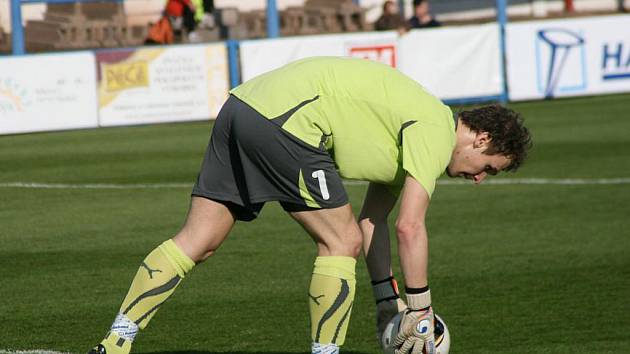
x=416 y=332
x=385 y=311
x=388 y=303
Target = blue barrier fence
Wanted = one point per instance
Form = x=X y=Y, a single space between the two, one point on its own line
x=273 y=31
x=502 y=19
x=17 y=31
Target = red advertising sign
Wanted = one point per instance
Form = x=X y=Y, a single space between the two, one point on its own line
x=385 y=53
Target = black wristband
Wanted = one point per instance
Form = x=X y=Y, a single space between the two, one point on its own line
x=419 y=310
x=416 y=290
x=386 y=280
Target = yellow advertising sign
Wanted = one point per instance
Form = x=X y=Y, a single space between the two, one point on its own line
x=126 y=75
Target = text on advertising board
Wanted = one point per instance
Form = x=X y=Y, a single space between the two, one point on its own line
x=126 y=75
x=615 y=61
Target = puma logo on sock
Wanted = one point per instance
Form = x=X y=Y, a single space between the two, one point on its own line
x=314 y=298
x=151 y=271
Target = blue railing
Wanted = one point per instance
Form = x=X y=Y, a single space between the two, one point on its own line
x=273 y=31
x=17 y=31
x=502 y=19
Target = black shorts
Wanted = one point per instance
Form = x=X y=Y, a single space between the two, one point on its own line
x=251 y=160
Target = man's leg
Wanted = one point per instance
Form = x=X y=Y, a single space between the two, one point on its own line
x=332 y=288
x=207 y=225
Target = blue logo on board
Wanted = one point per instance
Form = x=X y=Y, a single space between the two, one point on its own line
x=616 y=61
x=560 y=61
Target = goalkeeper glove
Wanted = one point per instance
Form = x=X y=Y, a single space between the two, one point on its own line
x=417 y=324
x=388 y=304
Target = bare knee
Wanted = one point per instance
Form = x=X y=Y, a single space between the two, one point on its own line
x=347 y=243
x=197 y=247
x=355 y=241
x=207 y=225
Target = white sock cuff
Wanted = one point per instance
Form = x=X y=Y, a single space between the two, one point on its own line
x=124 y=327
x=319 y=348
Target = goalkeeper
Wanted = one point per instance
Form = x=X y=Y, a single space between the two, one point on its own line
x=290 y=135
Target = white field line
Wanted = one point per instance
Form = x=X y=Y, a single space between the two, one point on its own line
x=36 y=351
x=34 y=185
x=543 y=181
x=492 y=181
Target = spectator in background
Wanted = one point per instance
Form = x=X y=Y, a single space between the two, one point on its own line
x=390 y=19
x=422 y=17
x=178 y=19
x=160 y=32
x=204 y=10
x=204 y=19
x=182 y=14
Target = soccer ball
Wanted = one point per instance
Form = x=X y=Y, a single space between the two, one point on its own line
x=442 y=336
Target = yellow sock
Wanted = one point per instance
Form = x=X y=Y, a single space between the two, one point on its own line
x=331 y=297
x=115 y=344
x=156 y=279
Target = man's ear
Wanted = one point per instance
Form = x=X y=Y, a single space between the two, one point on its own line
x=482 y=140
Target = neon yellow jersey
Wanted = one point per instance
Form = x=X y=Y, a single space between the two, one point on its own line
x=377 y=123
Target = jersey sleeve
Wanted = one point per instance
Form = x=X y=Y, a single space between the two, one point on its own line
x=426 y=152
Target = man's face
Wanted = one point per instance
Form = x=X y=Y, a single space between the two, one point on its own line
x=391 y=8
x=422 y=9
x=470 y=162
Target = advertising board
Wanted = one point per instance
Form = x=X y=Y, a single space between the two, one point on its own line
x=260 y=56
x=569 y=57
x=161 y=84
x=453 y=63
x=47 y=92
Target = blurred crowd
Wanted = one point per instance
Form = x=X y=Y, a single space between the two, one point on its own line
x=105 y=24
x=392 y=19
x=181 y=16
x=189 y=16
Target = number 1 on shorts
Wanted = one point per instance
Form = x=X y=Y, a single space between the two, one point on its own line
x=321 y=178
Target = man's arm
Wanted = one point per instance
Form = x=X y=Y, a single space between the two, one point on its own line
x=413 y=245
x=379 y=202
x=417 y=324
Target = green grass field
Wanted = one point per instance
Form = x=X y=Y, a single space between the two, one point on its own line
x=515 y=268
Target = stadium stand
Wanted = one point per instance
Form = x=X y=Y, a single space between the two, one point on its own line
x=323 y=16
x=82 y=25
x=106 y=25
x=5 y=41
x=224 y=23
x=254 y=23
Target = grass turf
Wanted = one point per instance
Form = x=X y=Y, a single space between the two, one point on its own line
x=514 y=268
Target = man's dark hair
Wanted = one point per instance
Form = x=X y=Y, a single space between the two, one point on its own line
x=505 y=127
x=417 y=3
